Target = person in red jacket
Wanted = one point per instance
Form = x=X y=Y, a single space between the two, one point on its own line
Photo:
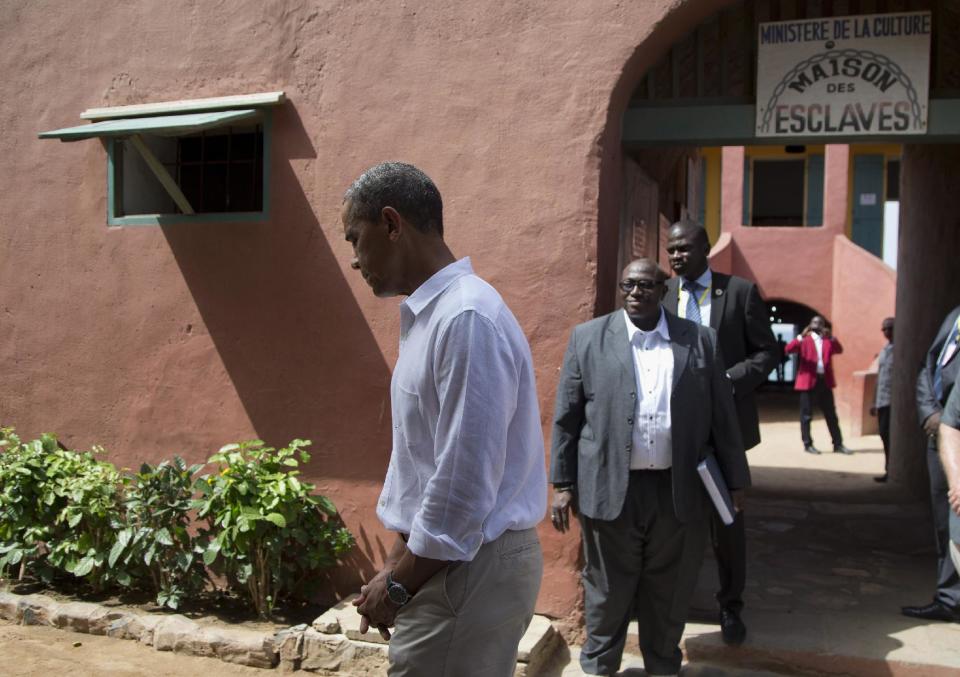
x=815 y=381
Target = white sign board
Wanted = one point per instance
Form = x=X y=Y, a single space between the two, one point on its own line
x=844 y=76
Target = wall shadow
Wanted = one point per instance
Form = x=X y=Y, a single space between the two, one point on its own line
x=295 y=344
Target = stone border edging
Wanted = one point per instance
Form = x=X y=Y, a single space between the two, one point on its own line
x=331 y=644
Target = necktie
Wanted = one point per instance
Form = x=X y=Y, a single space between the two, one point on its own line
x=693 y=294
x=952 y=338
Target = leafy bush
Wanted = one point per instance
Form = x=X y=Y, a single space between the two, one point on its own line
x=155 y=542
x=65 y=512
x=266 y=532
x=58 y=509
x=91 y=493
x=28 y=504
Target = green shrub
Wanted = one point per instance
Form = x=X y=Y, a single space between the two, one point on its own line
x=65 y=512
x=265 y=531
x=28 y=504
x=59 y=510
x=155 y=542
x=92 y=514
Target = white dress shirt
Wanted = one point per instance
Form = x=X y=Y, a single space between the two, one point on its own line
x=653 y=369
x=818 y=342
x=467 y=462
x=704 y=300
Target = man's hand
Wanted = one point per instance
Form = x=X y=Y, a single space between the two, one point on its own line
x=739 y=499
x=806 y=331
x=932 y=424
x=560 y=510
x=954 y=497
x=873 y=411
x=375 y=606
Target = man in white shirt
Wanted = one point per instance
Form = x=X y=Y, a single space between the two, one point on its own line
x=466 y=485
x=816 y=346
x=642 y=399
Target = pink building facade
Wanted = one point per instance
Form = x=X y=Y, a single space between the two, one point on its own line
x=179 y=337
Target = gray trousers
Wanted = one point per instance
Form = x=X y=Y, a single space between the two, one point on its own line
x=468 y=619
x=948 y=582
x=645 y=564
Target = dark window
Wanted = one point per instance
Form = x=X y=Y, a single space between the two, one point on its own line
x=218 y=171
x=777 y=198
x=893 y=180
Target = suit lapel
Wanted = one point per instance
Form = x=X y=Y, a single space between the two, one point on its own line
x=951 y=338
x=672 y=298
x=680 y=345
x=718 y=301
x=617 y=328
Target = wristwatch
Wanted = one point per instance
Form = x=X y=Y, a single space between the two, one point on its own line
x=396 y=592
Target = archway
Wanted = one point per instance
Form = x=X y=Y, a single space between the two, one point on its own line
x=669 y=107
x=663 y=120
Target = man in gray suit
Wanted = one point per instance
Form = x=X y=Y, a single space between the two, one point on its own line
x=732 y=306
x=642 y=399
x=938 y=376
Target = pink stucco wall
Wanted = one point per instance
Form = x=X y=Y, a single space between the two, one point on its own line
x=789 y=263
x=155 y=341
x=818 y=267
x=864 y=292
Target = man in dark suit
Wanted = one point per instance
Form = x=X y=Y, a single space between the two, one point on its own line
x=938 y=375
x=632 y=474
x=732 y=306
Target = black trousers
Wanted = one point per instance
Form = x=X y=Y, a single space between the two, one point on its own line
x=730 y=551
x=883 y=422
x=948 y=581
x=823 y=396
x=643 y=564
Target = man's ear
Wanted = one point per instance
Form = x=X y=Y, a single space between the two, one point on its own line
x=394 y=222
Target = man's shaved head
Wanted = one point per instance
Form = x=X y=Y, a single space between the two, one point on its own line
x=688 y=248
x=645 y=265
x=688 y=228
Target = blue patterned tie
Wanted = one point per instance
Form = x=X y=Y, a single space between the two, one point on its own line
x=693 y=293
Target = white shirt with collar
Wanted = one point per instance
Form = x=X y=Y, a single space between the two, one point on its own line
x=704 y=301
x=653 y=369
x=467 y=462
x=818 y=342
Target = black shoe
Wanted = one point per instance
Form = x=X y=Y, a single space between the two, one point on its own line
x=840 y=449
x=882 y=478
x=732 y=628
x=936 y=611
x=810 y=449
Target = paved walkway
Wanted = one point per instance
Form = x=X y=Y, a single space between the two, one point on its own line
x=832 y=556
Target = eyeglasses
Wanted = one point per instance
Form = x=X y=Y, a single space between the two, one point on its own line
x=645 y=285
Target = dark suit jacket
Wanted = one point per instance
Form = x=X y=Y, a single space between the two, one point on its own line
x=593 y=421
x=927 y=402
x=750 y=351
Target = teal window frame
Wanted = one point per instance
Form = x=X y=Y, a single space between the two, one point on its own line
x=813 y=189
x=113 y=196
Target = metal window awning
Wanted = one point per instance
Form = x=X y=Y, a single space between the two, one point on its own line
x=171 y=118
x=158 y=125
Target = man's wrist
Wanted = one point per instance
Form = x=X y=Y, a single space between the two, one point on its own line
x=397 y=593
x=563 y=486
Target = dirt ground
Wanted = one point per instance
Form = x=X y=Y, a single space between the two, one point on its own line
x=36 y=651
